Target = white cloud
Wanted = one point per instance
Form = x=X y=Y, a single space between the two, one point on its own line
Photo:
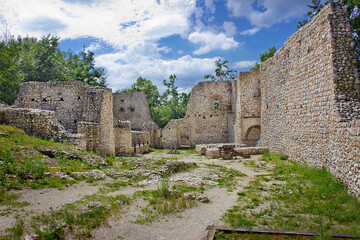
x=209 y=4
x=230 y=28
x=275 y=10
x=144 y=60
x=244 y=64
x=251 y=31
x=117 y=22
x=94 y=46
x=210 y=41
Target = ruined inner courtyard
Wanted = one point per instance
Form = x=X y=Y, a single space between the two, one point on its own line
x=303 y=105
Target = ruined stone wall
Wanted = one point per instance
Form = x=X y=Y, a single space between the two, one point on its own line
x=133 y=107
x=310 y=97
x=247 y=126
x=74 y=102
x=41 y=123
x=209 y=117
x=64 y=98
x=123 y=139
x=140 y=141
x=155 y=133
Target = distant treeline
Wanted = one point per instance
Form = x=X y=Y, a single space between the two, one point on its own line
x=29 y=59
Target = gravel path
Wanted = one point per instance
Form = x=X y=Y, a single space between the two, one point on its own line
x=191 y=224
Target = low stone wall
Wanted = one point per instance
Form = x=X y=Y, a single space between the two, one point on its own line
x=41 y=123
x=140 y=141
x=92 y=132
x=202 y=148
x=123 y=138
x=215 y=153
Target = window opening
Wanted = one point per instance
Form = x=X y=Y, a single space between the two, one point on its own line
x=216 y=103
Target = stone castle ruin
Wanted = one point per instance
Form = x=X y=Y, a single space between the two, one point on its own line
x=304 y=101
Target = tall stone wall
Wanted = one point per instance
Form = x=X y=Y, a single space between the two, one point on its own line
x=247 y=126
x=310 y=97
x=209 y=117
x=133 y=107
x=64 y=98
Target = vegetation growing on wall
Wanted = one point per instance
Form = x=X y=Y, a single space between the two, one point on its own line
x=266 y=55
x=30 y=59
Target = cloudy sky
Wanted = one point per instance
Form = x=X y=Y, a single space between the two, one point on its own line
x=157 y=38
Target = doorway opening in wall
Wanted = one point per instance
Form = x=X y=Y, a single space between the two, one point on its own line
x=184 y=134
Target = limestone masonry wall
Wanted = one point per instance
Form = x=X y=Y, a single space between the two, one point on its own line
x=247 y=126
x=310 y=97
x=304 y=101
x=41 y=123
x=78 y=107
x=133 y=107
x=123 y=139
x=209 y=117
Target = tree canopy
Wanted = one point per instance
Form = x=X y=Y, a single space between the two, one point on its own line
x=29 y=59
x=151 y=91
x=170 y=105
x=222 y=72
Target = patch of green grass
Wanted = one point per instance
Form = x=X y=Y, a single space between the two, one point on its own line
x=306 y=199
x=15 y=232
x=77 y=219
x=188 y=151
x=227 y=176
x=162 y=202
x=113 y=186
x=9 y=199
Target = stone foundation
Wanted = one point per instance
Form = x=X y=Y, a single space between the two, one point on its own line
x=41 y=123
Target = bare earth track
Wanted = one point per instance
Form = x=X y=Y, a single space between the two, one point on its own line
x=190 y=224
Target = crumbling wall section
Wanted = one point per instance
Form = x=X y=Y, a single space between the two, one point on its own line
x=247 y=126
x=74 y=102
x=133 y=107
x=209 y=117
x=41 y=123
x=123 y=138
x=140 y=141
x=310 y=97
x=64 y=98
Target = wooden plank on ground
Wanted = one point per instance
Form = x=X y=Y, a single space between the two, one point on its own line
x=268 y=231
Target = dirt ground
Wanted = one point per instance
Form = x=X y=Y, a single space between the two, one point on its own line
x=191 y=224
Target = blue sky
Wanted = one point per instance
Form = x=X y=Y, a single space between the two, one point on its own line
x=156 y=38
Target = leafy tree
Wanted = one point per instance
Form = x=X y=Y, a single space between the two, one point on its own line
x=266 y=55
x=222 y=72
x=9 y=76
x=173 y=104
x=81 y=67
x=29 y=59
x=170 y=105
x=151 y=91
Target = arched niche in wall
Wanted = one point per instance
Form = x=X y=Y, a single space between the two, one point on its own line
x=252 y=135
